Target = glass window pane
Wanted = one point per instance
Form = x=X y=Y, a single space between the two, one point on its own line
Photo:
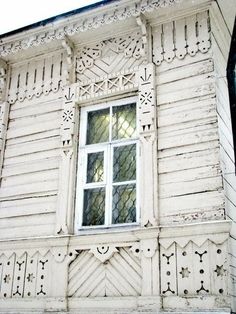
x=94 y=207
x=123 y=121
x=95 y=167
x=124 y=163
x=98 y=126
x=124 y=204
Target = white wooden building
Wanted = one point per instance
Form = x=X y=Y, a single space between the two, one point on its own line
x=117 y=190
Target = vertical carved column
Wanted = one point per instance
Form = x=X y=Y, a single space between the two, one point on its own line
x=148 y=139
x=4 y=109
x=64 y=218
x=65 y=208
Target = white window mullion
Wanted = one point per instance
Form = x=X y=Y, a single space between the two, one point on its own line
x=107 y=166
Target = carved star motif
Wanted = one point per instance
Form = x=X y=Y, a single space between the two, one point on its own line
x=220 y=271
x=184 y=272
x=30 y=277
x=7 y=278
x=67 y=115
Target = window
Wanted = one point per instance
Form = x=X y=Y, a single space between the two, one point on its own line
x=107 y=170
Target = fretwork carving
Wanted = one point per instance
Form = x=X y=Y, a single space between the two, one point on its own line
x=106 y=86
x=110 y=57
x=38 y=77
x=24 y=275
x=68 y=149
x=103 y=252
x=3 y=74
x=105 y=271
x=120 y=13
x=147 y=131
x=189 y=272
x=181 y=37
x=68 y=45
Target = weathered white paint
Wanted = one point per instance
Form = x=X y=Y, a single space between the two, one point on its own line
x=180 y=257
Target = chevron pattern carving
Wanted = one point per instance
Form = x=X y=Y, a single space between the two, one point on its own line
x=118 y=276
x=110 y=56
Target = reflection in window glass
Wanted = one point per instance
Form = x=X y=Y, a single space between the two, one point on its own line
x=124 y=163
x=98 y=126
x=123 y=121
x=95 y=167
x=124 y=204
x=94 y=207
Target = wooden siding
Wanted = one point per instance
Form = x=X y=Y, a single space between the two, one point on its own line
x=190 y=183
x=29 y=184
x=221 y=43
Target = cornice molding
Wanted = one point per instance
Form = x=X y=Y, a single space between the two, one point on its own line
x=93 y=22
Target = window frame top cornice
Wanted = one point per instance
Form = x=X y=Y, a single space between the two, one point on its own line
x=63 y=27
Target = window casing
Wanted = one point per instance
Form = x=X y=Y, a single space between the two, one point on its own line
x=107 y=182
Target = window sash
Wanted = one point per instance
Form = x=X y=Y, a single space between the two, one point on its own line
x=107 y=148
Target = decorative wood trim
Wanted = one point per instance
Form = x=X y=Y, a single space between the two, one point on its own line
x=148 y=139
x=178 y=38
x=3 y=76
x=106 y=86
x=94 y=22
x=64 y=215
x=34 y=78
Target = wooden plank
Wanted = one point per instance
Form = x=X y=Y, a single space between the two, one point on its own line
x=189 y=112
x=30 y=167
x=188 y=60
x=196 y=147
x=35 y=146
x=200 y=134
x=32 y=220
x=29 y=209
x=185 y=71
x=33 y=137
x=187 y=126
x=185 y=83
x=189 y=174
x=32 y=157
x=32 y=129
x=188 y=93
x=34 y=119
x=190 y=187
x=191 y=203
x=34 y=108
x=189 y=160
x=28 y=189
x=30 y=178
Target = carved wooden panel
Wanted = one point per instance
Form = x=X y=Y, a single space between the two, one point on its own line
x=109 y=56
x=181 y=37
x=82 y=24
x=106 y=86
x=105 y=271
x=23 y=275
x=37 y=77
x=148 y=139
x=194 y=269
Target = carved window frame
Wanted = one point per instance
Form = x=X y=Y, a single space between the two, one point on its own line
x=83 y=151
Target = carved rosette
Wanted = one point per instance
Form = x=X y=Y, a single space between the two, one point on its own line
x=148 y=139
